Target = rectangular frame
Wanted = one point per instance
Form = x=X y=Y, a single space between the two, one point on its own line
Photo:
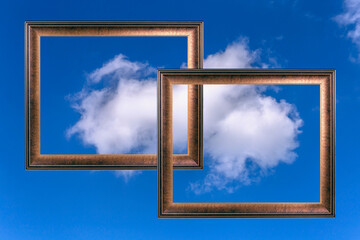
x=325 y=208
x=34 y=30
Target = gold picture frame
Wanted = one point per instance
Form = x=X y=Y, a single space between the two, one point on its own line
x=325 y=208
x=34 y=30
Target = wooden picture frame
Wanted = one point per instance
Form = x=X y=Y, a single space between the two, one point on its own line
x=34 y=30
x=325 y=208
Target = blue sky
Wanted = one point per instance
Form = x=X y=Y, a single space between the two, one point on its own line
x=101 y=205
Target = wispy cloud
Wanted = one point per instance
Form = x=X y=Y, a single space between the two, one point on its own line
x=245 y=130
x=126 y=174
x=120 y=67
x=350 y=18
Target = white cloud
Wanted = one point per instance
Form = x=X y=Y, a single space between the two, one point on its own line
x=126 y=174
x=351 y=18
x=121 y=118
x=180 y=118
x=236 y=55
x=120 y=67
x=245 y=132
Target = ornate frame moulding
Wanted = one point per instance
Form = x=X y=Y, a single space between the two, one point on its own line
x=34 y=30
x=325 y=208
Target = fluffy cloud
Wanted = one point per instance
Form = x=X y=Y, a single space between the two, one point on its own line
x=246 y=132
x=236 y=55
x=351 y=18
x=121 y=117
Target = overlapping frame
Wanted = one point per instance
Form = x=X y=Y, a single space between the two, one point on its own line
x=169 y=209
x=34 y=30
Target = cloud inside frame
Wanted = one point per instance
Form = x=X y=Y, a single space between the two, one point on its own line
x=121 y=118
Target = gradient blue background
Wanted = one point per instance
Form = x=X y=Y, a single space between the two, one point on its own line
x=96 y=205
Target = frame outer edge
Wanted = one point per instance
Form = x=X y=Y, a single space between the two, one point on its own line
x=333 y=83
x=26 y=89
x=201 y=100
x=159 y=207
x=102 y=22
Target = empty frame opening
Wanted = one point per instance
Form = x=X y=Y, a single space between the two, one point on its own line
x=261 y=144
x=98 y=94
